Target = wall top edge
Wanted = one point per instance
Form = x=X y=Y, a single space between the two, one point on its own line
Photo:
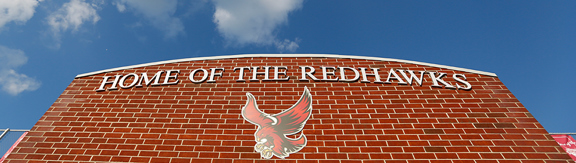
x=286 y=55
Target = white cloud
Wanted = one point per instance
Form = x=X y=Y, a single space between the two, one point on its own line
x=287 y=45
x=160 y=14
x=71 y=16
x=120 y=6
x=254 y=21
x=18 y=11
x=11 y=81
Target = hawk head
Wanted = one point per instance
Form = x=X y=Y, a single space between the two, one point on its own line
x=272 y=130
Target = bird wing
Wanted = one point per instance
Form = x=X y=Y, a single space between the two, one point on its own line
x=252 y=114
x=285 y=146
x=292 y=120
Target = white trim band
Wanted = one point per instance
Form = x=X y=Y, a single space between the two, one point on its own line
x=573 y=133
x=14 y=130
x=287 y=55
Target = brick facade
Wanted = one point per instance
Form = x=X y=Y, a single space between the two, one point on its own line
x=350 y=122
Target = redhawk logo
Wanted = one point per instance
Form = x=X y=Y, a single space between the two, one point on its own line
x=272 y=129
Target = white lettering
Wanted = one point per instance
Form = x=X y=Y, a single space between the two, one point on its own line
x=375 y=74
x=412 y=76
x=265 y=73
x=309 y=74
x=396 y=77
x=325 y=73
x=204 y=77
x=435 y=80
x=147 y=81
x=213 y=74
x=277 y=73
x=343 y=75
x=468 y=85
x=131 y=84
x=169 y=76
x=241 y=76
x=280 y=73
x=105 y=81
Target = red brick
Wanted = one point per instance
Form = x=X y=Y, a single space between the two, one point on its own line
x=350 y=122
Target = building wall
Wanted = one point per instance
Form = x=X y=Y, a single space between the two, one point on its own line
x=350 y=122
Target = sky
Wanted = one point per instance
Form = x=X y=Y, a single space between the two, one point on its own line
x=530 y=45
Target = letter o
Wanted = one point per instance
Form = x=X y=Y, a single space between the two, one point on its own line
x=203 y=77
x=131 y=84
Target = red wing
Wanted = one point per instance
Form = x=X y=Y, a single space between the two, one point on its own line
x=252 y=114
x=292 y=120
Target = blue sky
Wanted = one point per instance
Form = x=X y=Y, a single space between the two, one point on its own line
x=530 y=45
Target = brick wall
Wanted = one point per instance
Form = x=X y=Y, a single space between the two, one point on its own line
x=350 y=122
